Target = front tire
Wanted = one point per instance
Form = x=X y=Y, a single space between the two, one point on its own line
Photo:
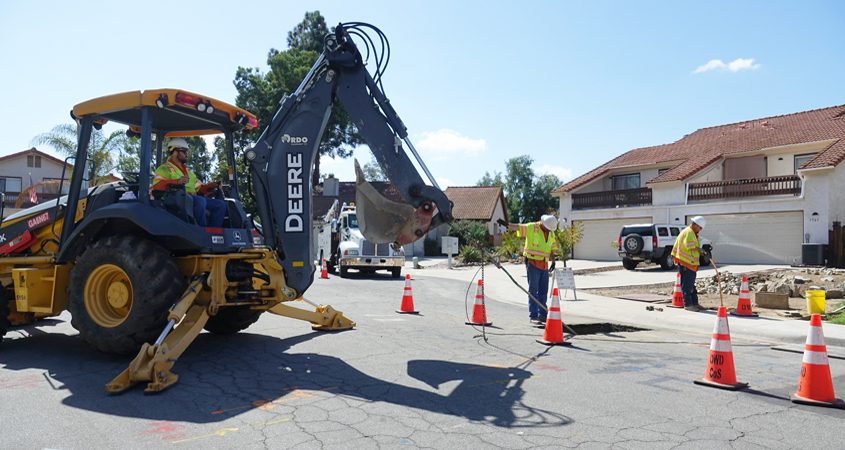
x=119 y=293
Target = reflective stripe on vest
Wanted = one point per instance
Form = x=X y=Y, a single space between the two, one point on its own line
x=170 y=171
x=687 y=248
x=536 y=244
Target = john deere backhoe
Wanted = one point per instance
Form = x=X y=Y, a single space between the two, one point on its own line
x=139 y=276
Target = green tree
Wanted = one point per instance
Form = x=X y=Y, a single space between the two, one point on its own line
x=260 y=93
x=102 y=149
x=373 y=171
x=221 y=173
x=541 y=201
x=491 y=180
x=200 y=160
x=519 y=183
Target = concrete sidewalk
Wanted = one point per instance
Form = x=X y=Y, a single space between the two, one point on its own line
x=590 y=307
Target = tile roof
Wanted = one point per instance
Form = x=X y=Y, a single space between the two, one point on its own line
x=701 y=148
x=475 y=202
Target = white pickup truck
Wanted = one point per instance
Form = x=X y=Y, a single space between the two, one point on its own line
x=350 y=250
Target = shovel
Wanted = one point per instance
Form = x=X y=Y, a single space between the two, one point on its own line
x=384 y=221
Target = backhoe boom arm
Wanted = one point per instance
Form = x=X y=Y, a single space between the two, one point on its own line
x=282 y=161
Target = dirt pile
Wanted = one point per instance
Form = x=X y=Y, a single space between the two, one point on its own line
x=793 y=282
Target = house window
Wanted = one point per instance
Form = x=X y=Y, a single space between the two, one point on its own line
x=627 y=181
x=800 y=160
x=10 y=184
x=33 y=161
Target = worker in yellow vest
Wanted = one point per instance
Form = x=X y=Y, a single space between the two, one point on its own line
x=540 y=242
x=174 y=172
x=686 y=253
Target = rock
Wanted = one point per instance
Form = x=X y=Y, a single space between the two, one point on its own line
x=760 y=287
x=799 y=280
x=780 y=288
x=734 y=290
x=828 y=279
x=771 y=300
x=835 y=294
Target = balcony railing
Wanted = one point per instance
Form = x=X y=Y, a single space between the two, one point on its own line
x=612 y=199
x=750 y=187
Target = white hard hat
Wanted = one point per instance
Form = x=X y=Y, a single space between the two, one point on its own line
x=700 y=221
x=549 y=221
x=177 y=143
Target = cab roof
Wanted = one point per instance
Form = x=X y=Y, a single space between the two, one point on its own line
x=175 y=112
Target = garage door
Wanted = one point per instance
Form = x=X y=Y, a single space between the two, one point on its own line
x=763 y=238
x=598 y=235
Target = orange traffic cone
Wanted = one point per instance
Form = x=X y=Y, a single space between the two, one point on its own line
x=814 y=386
x=677 y=296
x=407 y=299
x=720 y=371
x=743 y=304
x=324 y=271
x=553 y=334
x=479 y=313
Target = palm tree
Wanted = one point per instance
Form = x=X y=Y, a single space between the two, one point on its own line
x=102 y=148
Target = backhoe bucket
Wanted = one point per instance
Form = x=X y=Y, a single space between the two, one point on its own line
x=384 y=221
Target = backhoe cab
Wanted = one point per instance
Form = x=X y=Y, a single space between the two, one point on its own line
x=136 y=272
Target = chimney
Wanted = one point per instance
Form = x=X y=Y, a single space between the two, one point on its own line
x=331 y=186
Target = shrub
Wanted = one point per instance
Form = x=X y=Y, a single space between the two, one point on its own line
x=470 y=254
x=511 y=246
x=469 y=232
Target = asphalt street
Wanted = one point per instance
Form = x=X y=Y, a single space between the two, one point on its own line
x=404 y=381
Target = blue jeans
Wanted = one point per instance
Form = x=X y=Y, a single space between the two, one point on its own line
x=538 y=286
x=217 y=208
x=688 y=286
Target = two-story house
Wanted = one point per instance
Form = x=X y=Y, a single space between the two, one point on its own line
x=19 y=171
x=766 y=186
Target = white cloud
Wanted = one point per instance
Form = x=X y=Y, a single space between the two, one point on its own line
x=445 y=182
x=443 y=144
x=736 y=65
x=561 y=172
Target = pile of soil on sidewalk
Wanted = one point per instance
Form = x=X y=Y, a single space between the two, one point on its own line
x=794 y=282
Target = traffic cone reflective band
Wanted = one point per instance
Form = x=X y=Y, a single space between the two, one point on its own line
x=814 y=385
x=407 y=306
x=479 y=314
x=720 y=371
x=743 y=304
x=324 y=271
x=553 y=334
x=677 y=295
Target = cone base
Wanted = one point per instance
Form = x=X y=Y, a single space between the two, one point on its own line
x=407 y=312
x=483 y=324
x=730 y=387
x=836 y=403
x=734 y=313
x=549 y=343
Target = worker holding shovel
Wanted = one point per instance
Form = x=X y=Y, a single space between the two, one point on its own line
x=686 y=253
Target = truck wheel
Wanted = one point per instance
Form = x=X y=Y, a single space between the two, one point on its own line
x=629 y=264
x=4 y=313
x=231 y=320
x=119 y=292
x=396 y=272
x=344 y=272
x=667 y=262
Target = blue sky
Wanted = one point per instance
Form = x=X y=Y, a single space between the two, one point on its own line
x=573 y=84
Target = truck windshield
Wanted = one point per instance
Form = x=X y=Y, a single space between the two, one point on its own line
x=352 y=220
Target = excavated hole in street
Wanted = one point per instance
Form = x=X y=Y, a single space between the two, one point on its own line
x=602 y=328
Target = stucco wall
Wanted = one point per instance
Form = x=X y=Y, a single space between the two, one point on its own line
x=713 y=173
x=671 y=193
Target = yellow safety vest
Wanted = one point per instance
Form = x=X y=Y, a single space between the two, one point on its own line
x=536 y=245
x=687 y=249
x=170 y=171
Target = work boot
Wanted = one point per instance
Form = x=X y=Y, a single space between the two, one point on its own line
x=694 y=308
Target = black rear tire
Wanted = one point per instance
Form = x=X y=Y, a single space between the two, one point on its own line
x=396 y=272
x=154 y=284
x=231 y=320
x=629 y=264
x=344 y=272
x=666 y=261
